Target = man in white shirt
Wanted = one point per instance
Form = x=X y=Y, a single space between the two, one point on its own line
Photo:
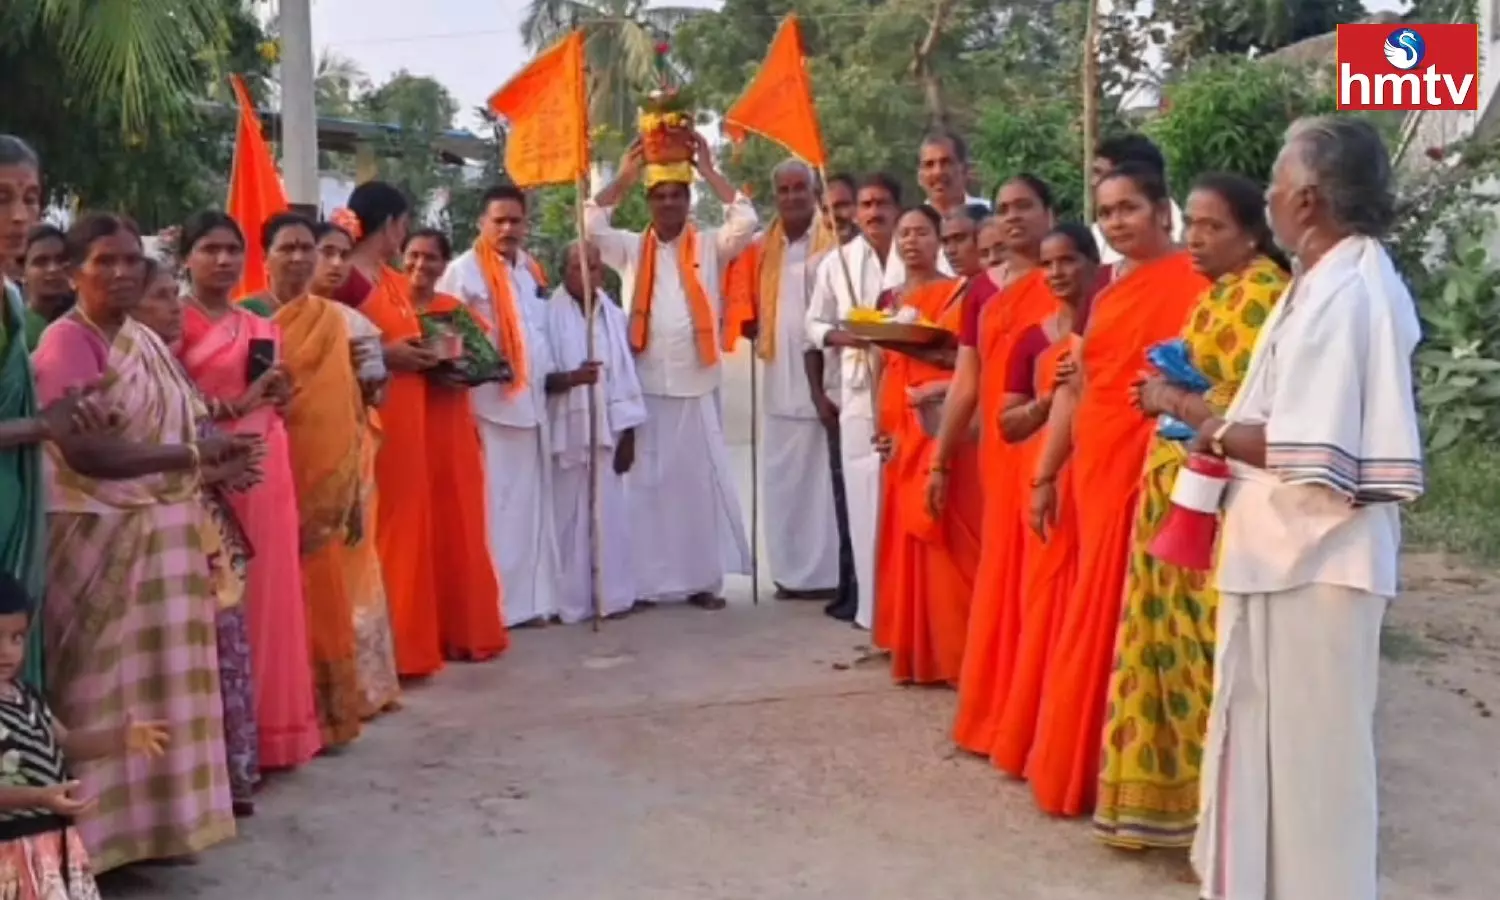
x=852 y=277
x=1324 y=444
x=503 y=285
x=943 y=173
x=774 y=279
x=620 y=409
x=1110 y=155
x=684 y=506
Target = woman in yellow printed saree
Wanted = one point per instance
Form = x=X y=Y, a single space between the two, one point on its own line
x=1162 y=682
x=130 y=609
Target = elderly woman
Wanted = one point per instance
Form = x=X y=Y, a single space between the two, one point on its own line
x=130 y=608
x=1324 y=444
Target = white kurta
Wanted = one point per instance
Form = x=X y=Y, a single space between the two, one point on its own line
x=1308 y=560
x=801 y=524
x=513 y=431
x=684 y=508
x=620 y=408
x=830 y=304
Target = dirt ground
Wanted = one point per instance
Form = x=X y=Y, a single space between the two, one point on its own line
x=749 y=755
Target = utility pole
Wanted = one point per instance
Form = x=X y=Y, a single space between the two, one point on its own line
x=299 y=115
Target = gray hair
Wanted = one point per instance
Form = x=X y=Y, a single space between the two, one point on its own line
x=793 y=164
x=16 y=152
x=1344 y=158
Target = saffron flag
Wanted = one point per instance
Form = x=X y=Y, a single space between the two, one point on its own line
x=778 y=104
x=255 y=191
x=546 y=105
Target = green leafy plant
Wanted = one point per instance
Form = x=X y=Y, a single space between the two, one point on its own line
x=1229 y=114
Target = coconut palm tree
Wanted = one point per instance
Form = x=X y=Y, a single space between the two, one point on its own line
x=622 y=39
x=142 y=59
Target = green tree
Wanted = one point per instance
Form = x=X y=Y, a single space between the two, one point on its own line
x=1229 y=114
x=622 y=36
x=421 y=109
x=138 y=63
x=1196 y=29
x=160 y=167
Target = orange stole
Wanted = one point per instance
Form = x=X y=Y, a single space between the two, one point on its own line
x=468 y=587
x=1046 y=580
x=1148 y=305
x=740 y=285
x=404 y=524
x=509 y=330
x=699 y=307
x=994 y=613
x=925 y=572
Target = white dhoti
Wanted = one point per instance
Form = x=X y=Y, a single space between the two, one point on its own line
x=802 y=532
x=684 y=510
x=575 y=601
x=523 y=539
x=1289 y=787
x=862 y=497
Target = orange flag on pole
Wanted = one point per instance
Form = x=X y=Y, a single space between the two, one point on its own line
x=255 y=191
x=546 y=105
x=778 y=104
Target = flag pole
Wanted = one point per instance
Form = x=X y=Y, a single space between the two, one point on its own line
x=755 y=465
x=591 y=311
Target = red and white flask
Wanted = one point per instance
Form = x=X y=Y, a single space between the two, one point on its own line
x=1188 y=532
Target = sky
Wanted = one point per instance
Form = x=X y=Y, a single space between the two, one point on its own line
x=470 y=46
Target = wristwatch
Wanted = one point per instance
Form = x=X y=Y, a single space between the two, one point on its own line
x=1216 y=440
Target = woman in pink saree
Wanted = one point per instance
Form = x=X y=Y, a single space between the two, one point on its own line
x=129 y=616
x=215 y=350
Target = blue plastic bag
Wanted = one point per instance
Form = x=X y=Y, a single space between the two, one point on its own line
x=1174 y=361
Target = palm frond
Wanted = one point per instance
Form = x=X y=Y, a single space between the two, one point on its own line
x=548 y=20
x=146 y=58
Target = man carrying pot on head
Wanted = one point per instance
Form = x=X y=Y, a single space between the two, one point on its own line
x=683 y=501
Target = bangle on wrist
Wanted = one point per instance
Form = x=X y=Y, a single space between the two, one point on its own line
x=195 y=457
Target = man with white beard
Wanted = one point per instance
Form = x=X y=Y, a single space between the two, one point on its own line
x=683 y=503
x=620 y=410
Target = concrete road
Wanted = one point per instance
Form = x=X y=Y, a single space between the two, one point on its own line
x=740 y=755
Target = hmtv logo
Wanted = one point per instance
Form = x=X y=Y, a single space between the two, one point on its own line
x=1408 y=66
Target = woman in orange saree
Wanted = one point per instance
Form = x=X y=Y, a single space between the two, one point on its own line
x=325 y=432
x=1024 y=211
x=468 y=587
x=1154 y=288
x=926 y=565
x=1042 y=432
x=404 y=524
x=216 y=346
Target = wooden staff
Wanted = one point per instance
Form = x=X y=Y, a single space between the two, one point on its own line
x=755 y=466
x=596 y=513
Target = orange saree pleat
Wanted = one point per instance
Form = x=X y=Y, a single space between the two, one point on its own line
x=468 y=588
x=404 y=524
x=927 y=598
x=994 y=609
x=1144 y=307
x=1047 y=575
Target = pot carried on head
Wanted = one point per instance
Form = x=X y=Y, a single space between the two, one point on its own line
x=666 y=127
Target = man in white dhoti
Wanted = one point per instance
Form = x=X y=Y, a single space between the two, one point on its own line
x=943 y=173
x=1324 y=444
x=772 y=280
x=620 y=410
x=502 y=284
x=852 y=277
x=685 y=514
